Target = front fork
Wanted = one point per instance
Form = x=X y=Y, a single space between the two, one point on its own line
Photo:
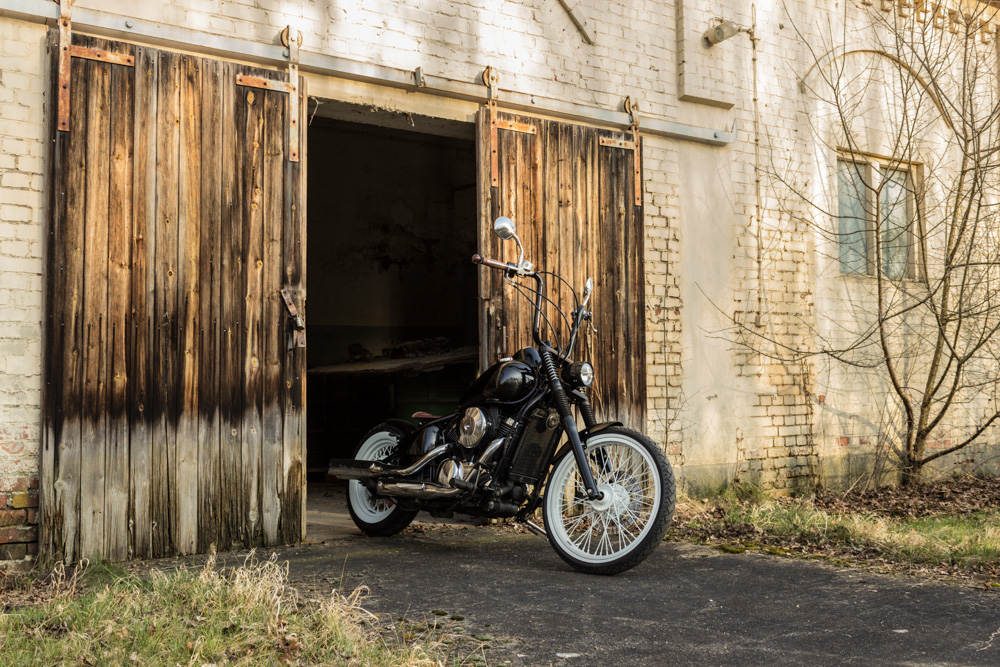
x=569 y=424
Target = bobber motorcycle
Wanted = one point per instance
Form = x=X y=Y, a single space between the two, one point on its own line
x=513 y=445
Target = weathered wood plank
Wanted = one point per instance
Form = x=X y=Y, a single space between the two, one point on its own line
x=167 y=344
x=484 y=201
x=210 y=279
x=95 y=306
x=251 y=165
x=293 y=520
x=590 y=259
x=274 y=319
x=142 y=299
x=122 y=101
x=635 y=250
x=296 y=472
x=68 y=318
x=232 y=502
x=51 y=381
x=189 y=223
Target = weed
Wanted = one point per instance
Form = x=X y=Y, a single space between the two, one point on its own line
x=246 y=615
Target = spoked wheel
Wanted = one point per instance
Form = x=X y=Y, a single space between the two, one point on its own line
x=378 y=517
x=617 y=532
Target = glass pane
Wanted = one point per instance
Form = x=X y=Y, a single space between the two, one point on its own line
x=894 y=207
x=852 y=220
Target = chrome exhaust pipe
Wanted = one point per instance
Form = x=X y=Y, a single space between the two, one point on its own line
x=416 y=490
x=351 y=470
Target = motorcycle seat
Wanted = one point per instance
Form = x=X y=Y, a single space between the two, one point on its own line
x=424 y=416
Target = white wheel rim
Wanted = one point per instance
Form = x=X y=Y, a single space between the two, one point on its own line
x=369 y=509
x=604 y=530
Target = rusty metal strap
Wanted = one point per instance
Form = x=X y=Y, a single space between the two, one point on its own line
x=627 y=144
x=266 y=84
x=526 y=128
x=101 y=56
x=297 y=322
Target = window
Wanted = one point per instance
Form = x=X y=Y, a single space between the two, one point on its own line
x=875 y=197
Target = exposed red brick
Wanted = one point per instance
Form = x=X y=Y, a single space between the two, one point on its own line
x=32 y=516
x=33 y=483
x=18 y=534
x=3 y=500
x=13 y=517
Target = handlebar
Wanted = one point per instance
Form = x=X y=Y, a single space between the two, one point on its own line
x=479 y=259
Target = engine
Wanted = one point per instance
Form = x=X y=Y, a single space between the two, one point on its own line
x=477 y=425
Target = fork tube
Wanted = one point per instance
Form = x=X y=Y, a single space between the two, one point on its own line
x=569 y=424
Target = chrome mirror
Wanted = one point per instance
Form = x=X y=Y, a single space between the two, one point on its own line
x=587 y=289
x=504 y=228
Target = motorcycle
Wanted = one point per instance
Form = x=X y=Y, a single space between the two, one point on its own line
x=607 y=493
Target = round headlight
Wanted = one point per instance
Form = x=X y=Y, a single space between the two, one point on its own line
x=579 y=374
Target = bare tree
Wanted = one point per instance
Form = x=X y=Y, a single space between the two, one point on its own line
x=906 y=219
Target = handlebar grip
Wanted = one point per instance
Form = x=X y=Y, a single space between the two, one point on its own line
x=479 y=259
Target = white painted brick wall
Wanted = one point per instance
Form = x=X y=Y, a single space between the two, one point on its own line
x=537 y=50
x=22 y=80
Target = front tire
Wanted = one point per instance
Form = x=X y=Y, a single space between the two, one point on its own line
x=619 y=531
x=378 y=517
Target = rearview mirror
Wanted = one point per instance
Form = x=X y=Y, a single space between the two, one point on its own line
x=504 y=228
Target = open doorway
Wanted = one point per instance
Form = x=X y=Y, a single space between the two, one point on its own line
x=392 y=314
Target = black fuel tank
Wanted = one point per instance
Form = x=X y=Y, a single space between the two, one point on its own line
x=504 y=382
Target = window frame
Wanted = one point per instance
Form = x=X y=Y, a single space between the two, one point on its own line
x=873 y=166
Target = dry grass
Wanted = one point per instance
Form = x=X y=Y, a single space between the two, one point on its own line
x=246 y=615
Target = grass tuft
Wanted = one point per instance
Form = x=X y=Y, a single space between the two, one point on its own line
x=246 y=615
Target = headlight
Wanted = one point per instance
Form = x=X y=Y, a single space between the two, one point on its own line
x=579 y=374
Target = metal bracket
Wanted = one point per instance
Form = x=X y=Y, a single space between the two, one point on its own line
x=631 y=108
x=292 y=39
x=65 y=36
x=67 y=51
x=297 y=324
x=492 y=80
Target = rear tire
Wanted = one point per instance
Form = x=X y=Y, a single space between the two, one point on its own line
x=619 y=531
x=378 y=517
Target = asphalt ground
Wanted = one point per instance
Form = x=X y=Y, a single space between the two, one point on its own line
x=685 y=605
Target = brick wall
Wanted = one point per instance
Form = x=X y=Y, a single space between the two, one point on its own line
x=22 y=81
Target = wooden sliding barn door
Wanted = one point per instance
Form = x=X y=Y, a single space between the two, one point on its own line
x=571 y=191
x=174 y=387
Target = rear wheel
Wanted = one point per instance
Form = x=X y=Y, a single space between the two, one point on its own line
x=620 y=530
x=378 y=517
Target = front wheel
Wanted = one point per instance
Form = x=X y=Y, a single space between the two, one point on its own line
x=378 y=517
x=617 y=532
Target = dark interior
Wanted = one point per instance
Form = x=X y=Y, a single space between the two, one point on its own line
x=392 y=316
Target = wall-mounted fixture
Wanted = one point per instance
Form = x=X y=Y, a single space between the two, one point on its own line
x=721 y=32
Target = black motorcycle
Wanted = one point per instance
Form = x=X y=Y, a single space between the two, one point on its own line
x=607 y=494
